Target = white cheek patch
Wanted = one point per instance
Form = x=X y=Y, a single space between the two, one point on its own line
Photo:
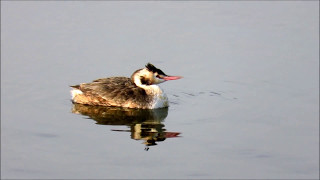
x=157 y=80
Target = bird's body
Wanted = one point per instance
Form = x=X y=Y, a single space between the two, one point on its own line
x=139 y=91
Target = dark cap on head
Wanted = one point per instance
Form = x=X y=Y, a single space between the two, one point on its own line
x=153 y=69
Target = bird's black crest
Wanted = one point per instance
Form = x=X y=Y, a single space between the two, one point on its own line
x=152 y=68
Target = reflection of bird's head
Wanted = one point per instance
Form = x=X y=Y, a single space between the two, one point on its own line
x=152 y=141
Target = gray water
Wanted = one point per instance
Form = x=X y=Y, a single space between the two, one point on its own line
x=247 y=107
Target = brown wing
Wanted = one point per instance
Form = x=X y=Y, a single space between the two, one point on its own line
x=114 y=91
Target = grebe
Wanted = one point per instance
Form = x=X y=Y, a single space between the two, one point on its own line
x=139 y=91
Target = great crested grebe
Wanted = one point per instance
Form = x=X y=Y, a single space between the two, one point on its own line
x=139 y=91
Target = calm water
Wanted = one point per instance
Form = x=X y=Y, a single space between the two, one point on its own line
x=247 y=107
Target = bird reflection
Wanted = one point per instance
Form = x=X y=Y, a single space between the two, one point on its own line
x=144 y=124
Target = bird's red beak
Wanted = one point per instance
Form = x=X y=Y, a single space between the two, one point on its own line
x=167 y=78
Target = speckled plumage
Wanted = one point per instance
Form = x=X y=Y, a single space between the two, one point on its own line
x=113 y=91
x=139 y=91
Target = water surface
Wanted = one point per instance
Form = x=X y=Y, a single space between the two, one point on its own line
x=247 y=107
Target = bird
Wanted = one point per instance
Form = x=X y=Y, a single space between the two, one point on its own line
x=140 y=91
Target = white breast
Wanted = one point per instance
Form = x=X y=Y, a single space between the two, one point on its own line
x=160 y=99
x=75 y=92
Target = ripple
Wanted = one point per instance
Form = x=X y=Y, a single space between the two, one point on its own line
x=208 y=93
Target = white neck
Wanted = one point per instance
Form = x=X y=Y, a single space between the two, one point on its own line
x=151 y=89
x=159 y=97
